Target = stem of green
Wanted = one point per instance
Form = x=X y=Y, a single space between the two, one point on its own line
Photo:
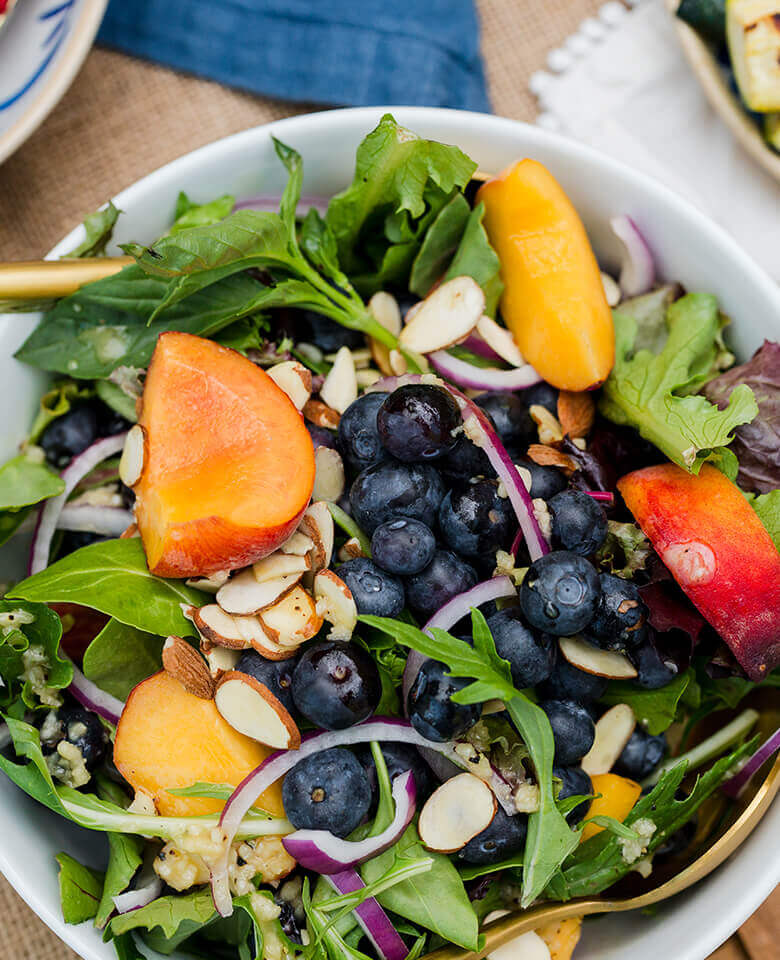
x=390 y=879
x=348 y=525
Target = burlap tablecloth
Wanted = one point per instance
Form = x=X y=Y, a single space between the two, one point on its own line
x=123 y=118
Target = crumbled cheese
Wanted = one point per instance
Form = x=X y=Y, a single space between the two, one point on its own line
x=206 y=842
x=501 y=490
x=12 y=619
x=34 y=453
x=526 y=797
x=644 y=867
x=51 y=729
x=143 y=803
x=543 y=517
x=67 y=765
x=180 y=870
x=267 y=913
x=525 y=476
x=635 y=848
x=105 y=496
x=505 y=567
x=264 y=857
x=547 y=425
x=35 y=666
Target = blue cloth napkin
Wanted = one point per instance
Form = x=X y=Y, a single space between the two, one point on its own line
x=346 y=52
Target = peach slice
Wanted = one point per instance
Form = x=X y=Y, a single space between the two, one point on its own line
x=169 y=738
x=719 y=552
x=228 y=467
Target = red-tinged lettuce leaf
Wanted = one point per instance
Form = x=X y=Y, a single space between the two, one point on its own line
x=669 y=609
x=756 y=444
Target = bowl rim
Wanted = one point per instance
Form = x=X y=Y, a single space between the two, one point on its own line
x=749 y=897
x=56 y=84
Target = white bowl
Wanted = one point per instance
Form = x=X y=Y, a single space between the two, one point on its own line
x=42 y=45
x=689 y=248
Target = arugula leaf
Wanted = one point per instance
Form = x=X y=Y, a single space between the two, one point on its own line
x=476 y=258
x=550 y=839
x=645 y=390
x=34 y=777
x=474 y=871
x=767 y=506
x=125 y=855
x=30 y=666
x=99 y=227
x=439 y=245
x=113 y=577
x=56 y=402
x=401 y=183
x=599 y=862
x=24 y=481
x=120 y=657
x=167 y=922
x=348 y=525
x=126 y=948
x=655 y=710
x=80 y=888
x=189 y=214
x=215 y=791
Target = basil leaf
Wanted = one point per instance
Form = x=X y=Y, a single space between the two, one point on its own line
x=99 y=227
x=439 y=245
x=476 y=258
x=23 y=482
x=80 y=888
x=168 y=921
x=655 y=710
x=189 y=214
x=120 y=657
x=113 y=577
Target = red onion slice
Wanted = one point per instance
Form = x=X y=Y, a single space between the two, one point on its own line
x=637 y=268
x=269 y=203
x=281 y=762
x=90 y=696
x=325 y=853
x=476 y=344
x=90 y=518
x=372 y=918
x=467 y=375
x=602 y=496
x=148 y=889
x=480 y=431
x=76 y=470
x=735 y=786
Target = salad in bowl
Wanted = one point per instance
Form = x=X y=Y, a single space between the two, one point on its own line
x=392 y=566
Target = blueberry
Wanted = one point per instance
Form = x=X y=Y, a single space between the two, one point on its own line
x=392 y=489
x=79 y=727
x=358 y=438
x=531 y=654
x=327 y=791
x=288 y=922
x=504 y=837
x=336 y=684
x=653 y=670
x=641 y=755
x=376 y=592
x=541 y=395
x=568 y=683
x=621 y=616
x=69 y=434
x=444 y=578
x=579 y=524
x=574 y=783
x=417 y=422
x=403 y=546
x=321 y=437
x=510 y=415
x=432 y=712
x=109 y=421
x=73 y=540
x=680 y=840
x=560 y=593
x=276 y=675
x=545 y=481
x=330 y=336
x=573 y=730
x=399 y=757
x=465 y=459
x=474 y=520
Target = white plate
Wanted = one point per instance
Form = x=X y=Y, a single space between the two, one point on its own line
x=689 y=248
x=42 y=45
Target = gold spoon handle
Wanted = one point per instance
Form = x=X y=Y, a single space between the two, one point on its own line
x=40 y=279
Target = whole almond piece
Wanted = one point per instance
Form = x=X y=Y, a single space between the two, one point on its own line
x=576 y=412
x=321 y=415
x=550 y=457
x=187 y=666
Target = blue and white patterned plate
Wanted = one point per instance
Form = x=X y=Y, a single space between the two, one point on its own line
x=42 y=45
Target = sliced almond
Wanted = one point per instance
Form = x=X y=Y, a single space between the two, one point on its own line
x=335 y=604
x=351 y=550
x=360 y=357
x=446 y=316
x=295 y=379
x=456 y=812
x=130 y=532
x=398 y=363
x=298 y=544
x=219 y=659
x=251 y=708
x=329 y=476
x=340 y=387
x=500 y=340
x=547 y=425
x=187 y=666
x=368 y=377
x=278 y=565
x=590 y=659
x=254 y=635
x=613 y=731
x=611 y=289
x=242 y=594
x=321 y=415
x=211 y=583
x=131 y=463
x=576 y=412
x=550 y=457
x=216 y=626
x=317 y=524
x=291 y=620
x=385 y=310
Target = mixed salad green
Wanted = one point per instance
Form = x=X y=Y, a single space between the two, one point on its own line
x=469 y=674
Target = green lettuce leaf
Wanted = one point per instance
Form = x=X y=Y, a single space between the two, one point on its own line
x=31 y=644
x=651 y=391
x=25 y=481
x=80 y=889
x=655 y=710
x=125 y=855
x=120 y=657
x=767 y=506
x=476 y=258
x=169 y=921
x=625 y=549
x=439 y=245
x=99 y=227
x=189 y=214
